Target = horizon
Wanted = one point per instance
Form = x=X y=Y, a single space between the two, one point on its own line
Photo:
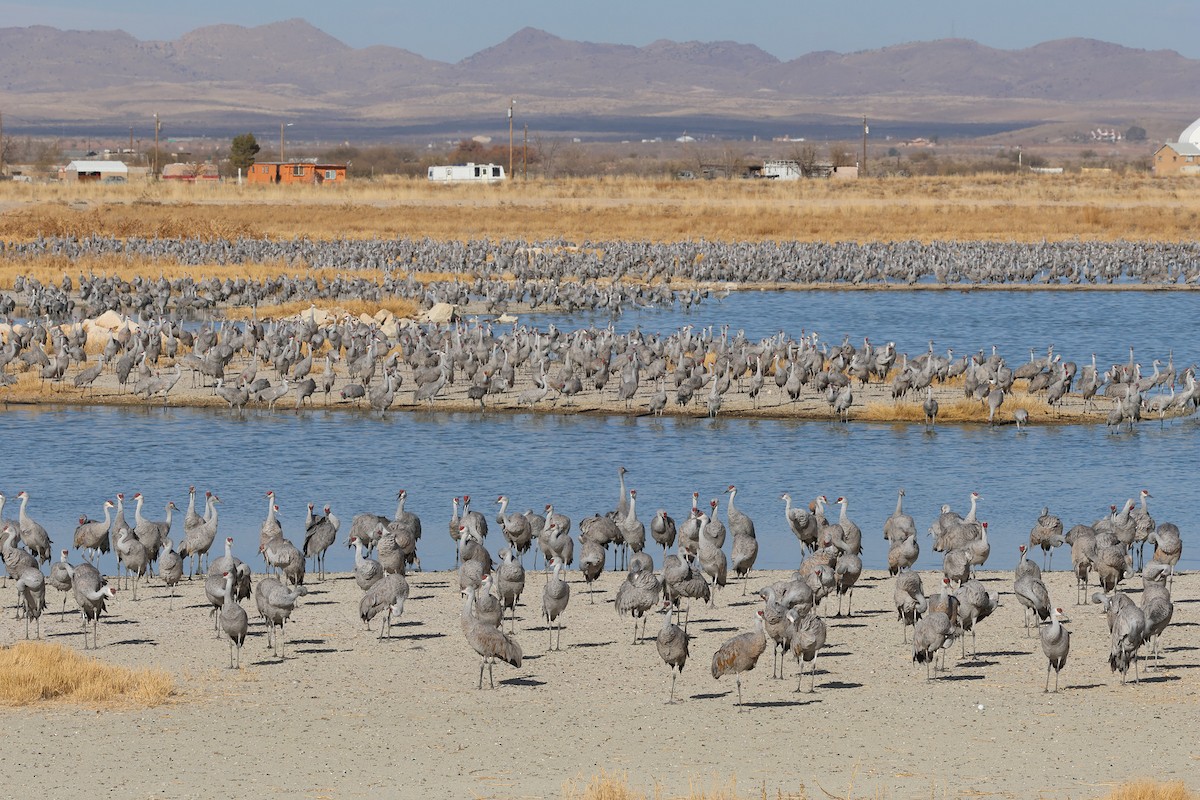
x=791 y=33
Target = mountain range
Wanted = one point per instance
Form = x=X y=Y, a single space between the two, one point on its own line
x=227 y=77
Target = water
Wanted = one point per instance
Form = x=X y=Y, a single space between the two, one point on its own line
x=70 y=460
x=1077 y=323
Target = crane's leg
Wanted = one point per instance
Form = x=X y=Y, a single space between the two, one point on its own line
x=1049 y=664
x=739 y=690
x=491 y=680
x=635 y=636
x=671 y=700
x=812 y=675
x=64 y=608
x=850 y=602
x=482 y=662
x=282 y=642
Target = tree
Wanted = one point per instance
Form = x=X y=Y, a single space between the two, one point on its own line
x=1135 y=134
x=242 y=151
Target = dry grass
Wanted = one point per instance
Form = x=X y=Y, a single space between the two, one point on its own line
x=616 y=787
x=1022 y=208
x=1147 y=789
x=37 y=672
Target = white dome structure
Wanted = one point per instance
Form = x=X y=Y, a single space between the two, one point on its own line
x=1191 y=134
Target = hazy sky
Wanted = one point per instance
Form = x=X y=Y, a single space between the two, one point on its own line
x=449 y=31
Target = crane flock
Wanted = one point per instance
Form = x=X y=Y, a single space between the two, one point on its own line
x=792 y=614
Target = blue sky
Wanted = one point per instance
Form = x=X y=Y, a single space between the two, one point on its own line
x=449 y=31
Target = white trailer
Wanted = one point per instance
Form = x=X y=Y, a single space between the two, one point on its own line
x=471 y=172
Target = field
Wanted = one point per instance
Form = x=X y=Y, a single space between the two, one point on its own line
x=997 y=208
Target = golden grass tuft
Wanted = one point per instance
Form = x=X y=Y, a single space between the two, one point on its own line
x=38 y=672
x=1147 y=789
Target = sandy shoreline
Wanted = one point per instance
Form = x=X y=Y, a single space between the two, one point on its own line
x=348 y=715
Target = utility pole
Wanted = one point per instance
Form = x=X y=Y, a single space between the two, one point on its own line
x=511 y=102
x=131 y=140
x=863 y=172
x=1 y=142
x=525 y=154
x=157 y=127
x=281 y=143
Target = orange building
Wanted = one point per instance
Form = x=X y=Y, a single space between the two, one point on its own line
x=296 y=172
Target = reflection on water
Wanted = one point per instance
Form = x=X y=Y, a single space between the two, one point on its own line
x=70 y=460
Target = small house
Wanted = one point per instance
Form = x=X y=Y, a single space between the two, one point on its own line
x=1181 y=157
x=296 y=172
x=84 y=171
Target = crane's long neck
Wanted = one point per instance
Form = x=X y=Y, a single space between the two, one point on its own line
x=229 y=588
x=191 y=502
x=107 y=515
x=787 y=505
x=455 y=509
x=400 y=505
x=358 y=554
x=971 y=514
x=503 y=506
x=899 y=503
x=137 y=509
x=732 y=495
x=843 y=517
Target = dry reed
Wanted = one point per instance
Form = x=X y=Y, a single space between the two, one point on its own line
x=397 y=306
x=1019 y=208
x=1147 y=789
x=38 y=672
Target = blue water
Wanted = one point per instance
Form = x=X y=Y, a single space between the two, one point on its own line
x=1077 y=323
x=70 y=460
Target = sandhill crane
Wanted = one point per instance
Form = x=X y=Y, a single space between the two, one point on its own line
x=1031 y=593
x=488 y=609
x=31 y=592
x=387 y=595
x=150 y=532
x=170 y=568
x=1056 y=644
x=474 y=521
x=930 y=407
x=672 y=645
x=1046 y=534
x=489 y=642
x=555 y=596
x=899 y=525
x=740 y=654
x=591 y=561
x=903 y=553
x=1127 y=626
x=285 y=556
x=662 y=530
x=931 y=633
x=233 y=621
x=198 y=539
x=367 y=571
x=558 y=538
x=510 y=583
x=1156 y=604
x=910 y=600
x=92 y=594
x=32 y=533
x=60 y=578
x=92 y=535
x=275 y=604
x=319 y=536
x=712 y=558
x=133 y=554
x=637 y=595
x=975 y=604
x=633 y=530
x=807 y=639
x=515 y=527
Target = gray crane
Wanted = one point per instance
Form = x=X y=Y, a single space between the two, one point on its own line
x=60 y=579
x=555 y=596
x=275 y=603
x=31 y=593
x=232 y=620
x=92 y=535
x=1127 y=627
x=198 y=540
x=807 y=637
x=133 y=554
x=740 y=654
x=672 y=645
x=1156 y=605
x=975 y=604
x=489 y=642
x=510 y=583
x=1047 y=534
x=170 y=568
x=1056 y=644
x=1031 y=593
x=32 y=533
x=637 y=595
x=802 y=523
x=367 y=571
x=319 y=536
x=91 y=594
x=910 y=600
x=387 y=596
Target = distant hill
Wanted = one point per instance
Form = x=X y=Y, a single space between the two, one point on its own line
x=222 y=77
